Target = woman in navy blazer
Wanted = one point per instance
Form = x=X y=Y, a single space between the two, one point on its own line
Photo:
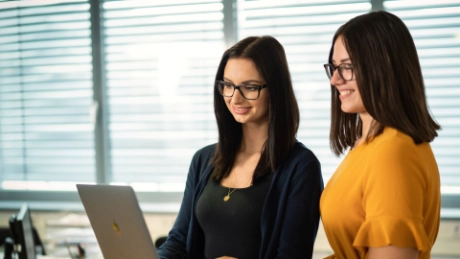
x=254 y=194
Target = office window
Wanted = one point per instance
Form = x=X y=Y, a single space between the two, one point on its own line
x=46 y=90
x=161 y=58
x=435 y=27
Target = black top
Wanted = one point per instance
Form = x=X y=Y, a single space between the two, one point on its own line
x=290 y=214
x=232 y=227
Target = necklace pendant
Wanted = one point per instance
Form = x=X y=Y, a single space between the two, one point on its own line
x=226 y=198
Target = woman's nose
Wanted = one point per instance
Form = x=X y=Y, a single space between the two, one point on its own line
x=336 y=78
x=237 y=96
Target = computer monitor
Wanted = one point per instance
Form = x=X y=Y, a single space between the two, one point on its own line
x=22 y=232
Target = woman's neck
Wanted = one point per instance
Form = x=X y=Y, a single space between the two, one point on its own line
x=366 y=120
x=254 y=138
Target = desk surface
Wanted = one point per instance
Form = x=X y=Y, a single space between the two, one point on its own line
x=56 y=257
x=62 y=252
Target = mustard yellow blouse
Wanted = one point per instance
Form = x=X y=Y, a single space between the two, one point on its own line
x=386 y=192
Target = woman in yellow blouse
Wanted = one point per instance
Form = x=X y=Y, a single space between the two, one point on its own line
x=384 y=199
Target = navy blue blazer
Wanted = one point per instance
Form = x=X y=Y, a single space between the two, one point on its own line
x=290 y=216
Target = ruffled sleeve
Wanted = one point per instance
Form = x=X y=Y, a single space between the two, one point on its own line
x=384 y=231
x=396 y=194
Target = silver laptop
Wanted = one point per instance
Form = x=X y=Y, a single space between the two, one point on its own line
x=117 y=221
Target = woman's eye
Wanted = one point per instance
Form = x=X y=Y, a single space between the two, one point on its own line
x=228 y=85
x=251 y=88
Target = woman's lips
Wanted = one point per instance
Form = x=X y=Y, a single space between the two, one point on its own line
x=345 y=93
x=240 y=110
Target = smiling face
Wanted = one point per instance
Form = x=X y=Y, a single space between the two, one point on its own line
x=349 y=93
x=243 y=71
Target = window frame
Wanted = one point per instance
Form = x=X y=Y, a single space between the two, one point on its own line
x=160 y=202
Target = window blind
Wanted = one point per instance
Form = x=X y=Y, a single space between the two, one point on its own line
x=161 y=59
x=435 y=27
x=305 y=29
x=46 y=136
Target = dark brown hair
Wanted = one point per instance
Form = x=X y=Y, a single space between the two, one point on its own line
x=283 y=112
x=389 y=78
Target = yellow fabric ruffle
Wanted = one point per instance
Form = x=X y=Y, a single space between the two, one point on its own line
x=384 y=231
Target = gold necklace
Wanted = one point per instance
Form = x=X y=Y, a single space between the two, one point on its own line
x=230 y=191
x=227 y=197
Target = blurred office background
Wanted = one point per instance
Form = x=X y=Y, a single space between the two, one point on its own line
x=120 y=92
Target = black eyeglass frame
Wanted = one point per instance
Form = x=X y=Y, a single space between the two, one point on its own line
x=339 y=69
x=259 y=87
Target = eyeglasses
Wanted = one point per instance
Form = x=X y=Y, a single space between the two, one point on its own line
x=345 y=71
x=248 y=91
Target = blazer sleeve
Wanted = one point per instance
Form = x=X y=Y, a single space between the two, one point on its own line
x=176 y=243
x=301 y=211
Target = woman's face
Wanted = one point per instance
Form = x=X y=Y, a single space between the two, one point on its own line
x=243 y=71
x=348 y=90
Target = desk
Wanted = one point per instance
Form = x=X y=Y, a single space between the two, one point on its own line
x=62 y=253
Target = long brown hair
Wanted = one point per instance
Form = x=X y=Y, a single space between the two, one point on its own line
x=389 y=78
x=283 y=112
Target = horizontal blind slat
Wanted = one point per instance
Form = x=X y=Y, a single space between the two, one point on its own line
x=160 y=72
x=45 y=93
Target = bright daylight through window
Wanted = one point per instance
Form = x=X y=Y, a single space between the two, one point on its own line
x=96 y=91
